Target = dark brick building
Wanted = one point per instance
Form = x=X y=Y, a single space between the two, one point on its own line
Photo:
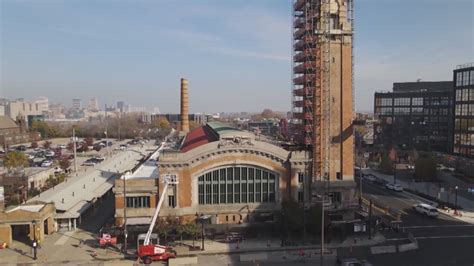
x=463 y=128
x=415 y=115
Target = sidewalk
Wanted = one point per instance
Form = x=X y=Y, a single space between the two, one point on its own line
x=246 y=246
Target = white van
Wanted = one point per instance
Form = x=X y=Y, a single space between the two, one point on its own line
x=425 y=209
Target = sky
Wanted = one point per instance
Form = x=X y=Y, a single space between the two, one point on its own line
x=236 y=54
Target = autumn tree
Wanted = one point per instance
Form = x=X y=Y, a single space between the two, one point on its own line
x=162 y=123
x=413 y=157
x=425 y=168
x=386 y=165
x=47 y=144
x=64 y=163
x=34 y=145
x=70 y=146
x=47 y=129
x=193 y=125
x=14 y=160
x=89 y=141
x=267 y=113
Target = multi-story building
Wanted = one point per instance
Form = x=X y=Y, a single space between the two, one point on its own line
x=322 y=103
x=463 y=141
x=12 y=133
x=43 y=104
x=76 y=104
x=27 y=110
x=121 y=106
x=225 y=173
x=93 y=105
x=415 y=115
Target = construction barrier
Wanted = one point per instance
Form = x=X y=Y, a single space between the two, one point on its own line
x=383 y=249
x=407 y=247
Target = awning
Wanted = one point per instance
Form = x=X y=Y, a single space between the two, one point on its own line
x=138 y=220
x=75 y=211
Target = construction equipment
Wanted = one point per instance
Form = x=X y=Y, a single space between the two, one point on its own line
x=106 y=238
x=150 y=251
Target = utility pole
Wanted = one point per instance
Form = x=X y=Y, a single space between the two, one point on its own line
x=456 y=200
x=106 y=139
x=119 y=127
x=370 y=220
x=125 y=215
x=35 y=244
x=74 y=148
x=322 y=228
x=360 y=172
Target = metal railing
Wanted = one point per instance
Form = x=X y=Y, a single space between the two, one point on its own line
x=465 y=65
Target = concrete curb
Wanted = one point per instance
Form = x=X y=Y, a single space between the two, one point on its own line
x=328 y=251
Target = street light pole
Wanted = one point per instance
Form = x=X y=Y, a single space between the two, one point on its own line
x=74 y=148
x=360 y=173
x=456 y=200
x=125 y=214
x=34 y=239
x=202 y=234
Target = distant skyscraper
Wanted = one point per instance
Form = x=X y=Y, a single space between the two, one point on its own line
x=120 y=106
x=127 y=108
x=93 y=105
x=155 y=110
x=43 y=104
x=76 y=103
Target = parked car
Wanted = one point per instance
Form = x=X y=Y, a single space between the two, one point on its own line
x=49 y=153
x=46 y=163
x=21 y=148
x=370 y=178
x=58 y=170
x=89 y=163
x=109 y=143
x=99 y=158
x=61 y=146
x=425 y=209
x=394 y=187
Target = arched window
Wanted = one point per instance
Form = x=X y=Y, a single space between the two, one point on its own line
x=237 y=184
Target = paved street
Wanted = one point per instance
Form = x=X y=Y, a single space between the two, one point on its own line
x=442 y=241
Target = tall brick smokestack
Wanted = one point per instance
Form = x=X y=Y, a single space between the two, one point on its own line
x=184 y=106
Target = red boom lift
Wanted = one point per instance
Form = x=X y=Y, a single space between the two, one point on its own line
x=149 y=251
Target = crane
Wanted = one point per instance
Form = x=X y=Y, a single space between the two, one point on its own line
x=148 y=251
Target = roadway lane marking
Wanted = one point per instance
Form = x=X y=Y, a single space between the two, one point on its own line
x=437 y=226
x=431 y=237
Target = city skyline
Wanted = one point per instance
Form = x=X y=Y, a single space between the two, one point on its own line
x=80 y=50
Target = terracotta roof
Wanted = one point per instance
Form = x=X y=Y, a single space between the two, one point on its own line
x=197 y=137
x=7 y=122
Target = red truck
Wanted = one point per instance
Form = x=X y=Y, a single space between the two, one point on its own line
x=153 y=252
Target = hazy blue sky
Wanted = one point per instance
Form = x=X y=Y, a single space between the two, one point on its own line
x=235 y=53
